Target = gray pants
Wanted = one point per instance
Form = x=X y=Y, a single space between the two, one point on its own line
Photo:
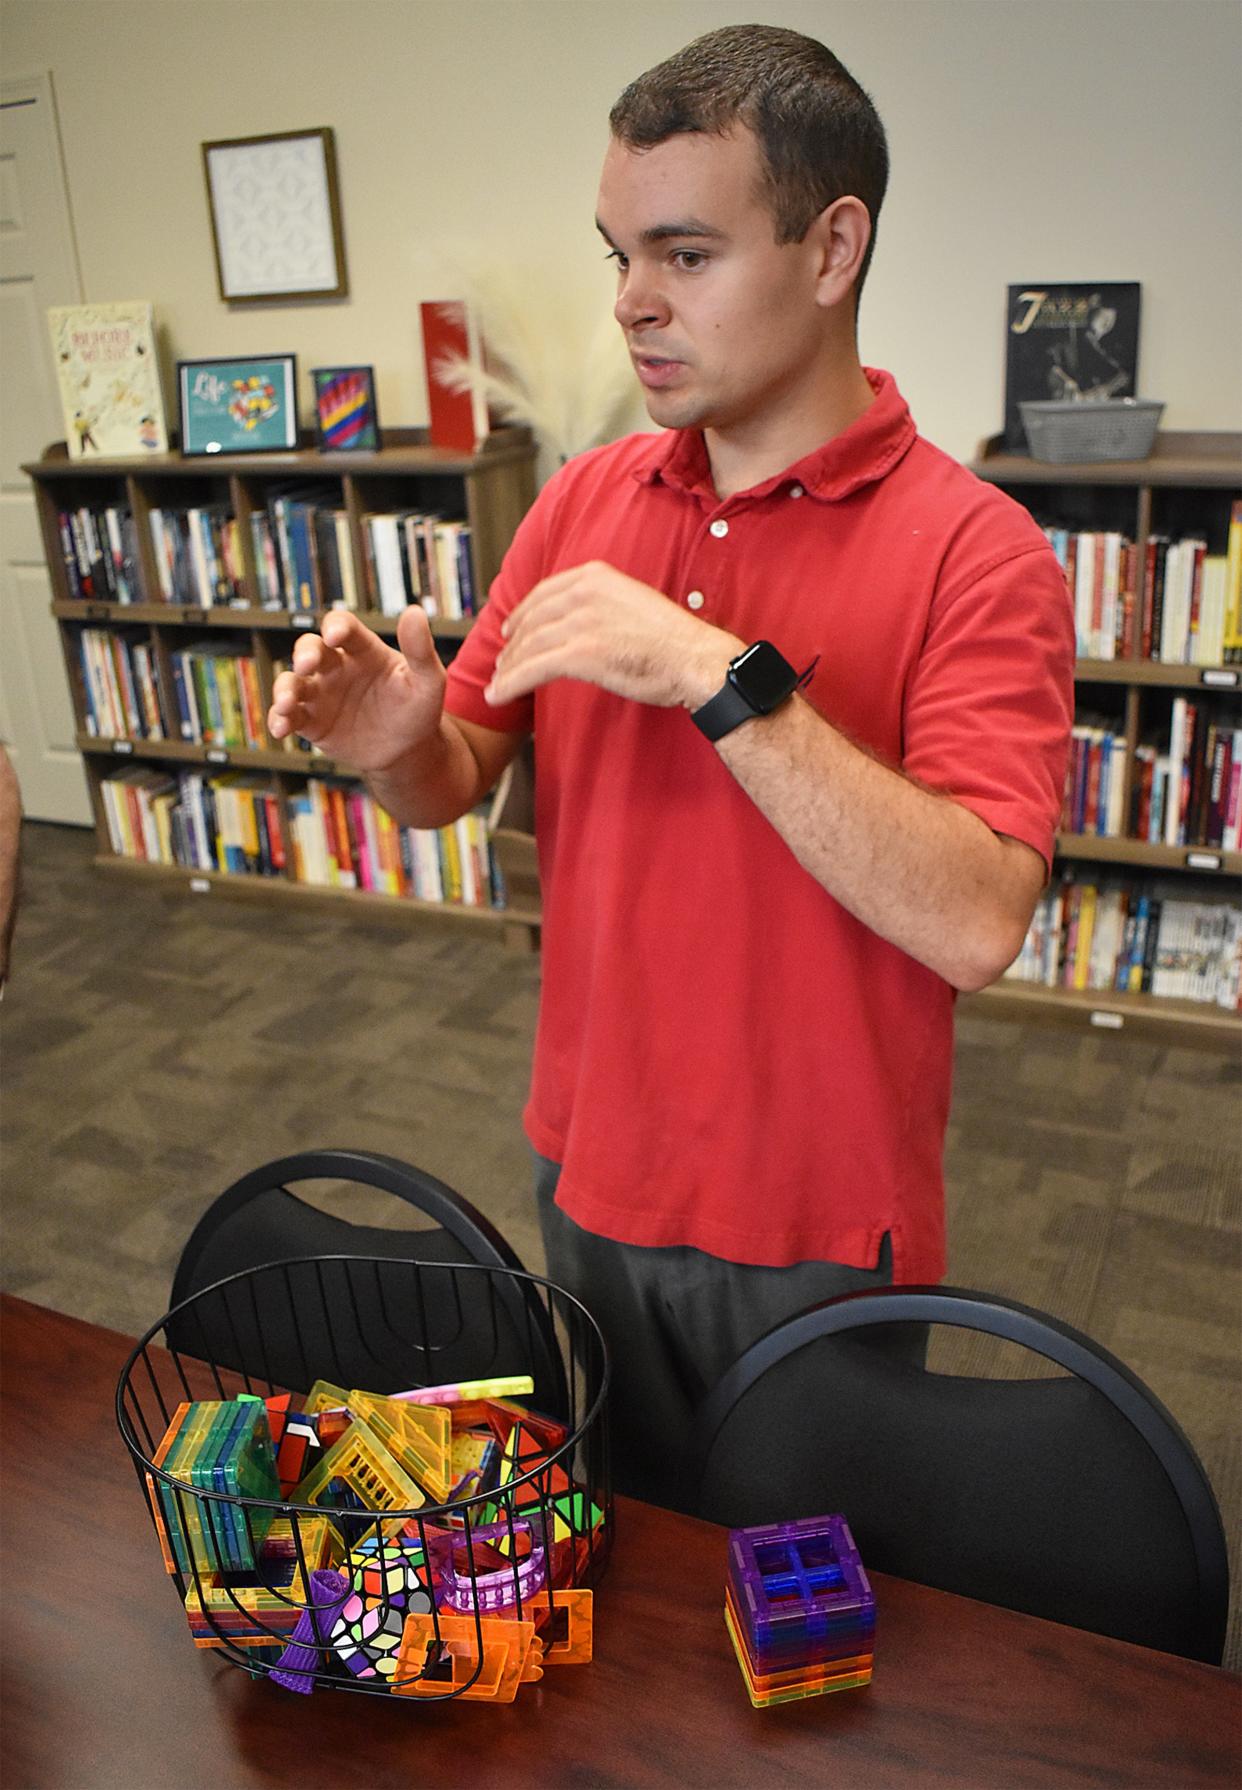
x=674 y=1320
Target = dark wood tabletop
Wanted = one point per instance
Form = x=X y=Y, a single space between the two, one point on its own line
x=101 y=1685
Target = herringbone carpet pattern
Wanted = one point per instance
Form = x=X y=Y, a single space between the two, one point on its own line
x=155 y=1049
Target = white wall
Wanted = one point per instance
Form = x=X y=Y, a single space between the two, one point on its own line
x=1063 y=140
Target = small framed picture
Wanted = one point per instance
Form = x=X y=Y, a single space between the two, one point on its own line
x=276 y=216
x=345 y=413
x=238 y=406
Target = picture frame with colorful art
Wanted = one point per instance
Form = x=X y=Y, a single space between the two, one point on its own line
x=346 y=417
x=243 y=405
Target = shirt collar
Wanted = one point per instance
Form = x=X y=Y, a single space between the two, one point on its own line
x=860 y=455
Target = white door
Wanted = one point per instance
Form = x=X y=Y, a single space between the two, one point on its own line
x=38 y=268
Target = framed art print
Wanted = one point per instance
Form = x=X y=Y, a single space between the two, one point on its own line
x=238 y=406
x=276 y=216
x=345 y=413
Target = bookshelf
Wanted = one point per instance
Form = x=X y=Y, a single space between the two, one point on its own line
x=148 y=603
x=1185 y=489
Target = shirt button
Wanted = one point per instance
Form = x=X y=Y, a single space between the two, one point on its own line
x=719 y=528
x=695 y=600
x=795 y=491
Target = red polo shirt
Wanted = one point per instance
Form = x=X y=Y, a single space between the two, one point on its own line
x=725 y=1057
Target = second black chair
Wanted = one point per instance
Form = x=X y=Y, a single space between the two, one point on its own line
x=1077 y=1498
x=381 y=1324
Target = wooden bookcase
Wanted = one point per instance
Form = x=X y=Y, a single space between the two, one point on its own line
x=489 y=490
x=1185 y=487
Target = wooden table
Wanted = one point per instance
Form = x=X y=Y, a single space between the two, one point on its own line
x=101 y=1685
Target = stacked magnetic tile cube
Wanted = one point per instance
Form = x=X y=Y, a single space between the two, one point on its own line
x=799 y=1609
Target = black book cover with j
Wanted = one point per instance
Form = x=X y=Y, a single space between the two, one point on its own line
x=1077 y=341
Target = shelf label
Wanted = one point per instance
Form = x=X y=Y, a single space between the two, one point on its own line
x=1111 y=1022
x=303 y=621
x=217 y=755
x=98 y=612
x=239 y=603
x=1225 y=679
x=1204 y=860
x=199 y=886
x=122 y=746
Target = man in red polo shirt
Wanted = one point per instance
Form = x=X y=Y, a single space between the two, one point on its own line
x=802 y=690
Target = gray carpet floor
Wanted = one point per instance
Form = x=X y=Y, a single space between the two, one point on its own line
x=155 y=1048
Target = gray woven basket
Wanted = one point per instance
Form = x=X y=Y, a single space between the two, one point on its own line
x=1085 y=429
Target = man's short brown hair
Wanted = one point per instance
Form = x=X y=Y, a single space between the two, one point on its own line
x=818 y=132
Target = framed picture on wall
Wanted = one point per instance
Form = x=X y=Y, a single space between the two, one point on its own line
x=276 y=216
x=345 y=414
x=238 y=406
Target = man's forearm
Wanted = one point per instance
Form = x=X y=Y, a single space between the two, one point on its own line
x=914 y=866
x=435 y=783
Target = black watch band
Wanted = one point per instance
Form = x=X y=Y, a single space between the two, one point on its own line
x=757 y=682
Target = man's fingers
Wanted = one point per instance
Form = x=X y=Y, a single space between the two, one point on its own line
x=414 y=637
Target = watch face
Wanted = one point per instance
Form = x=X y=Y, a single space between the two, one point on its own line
x=763 y=676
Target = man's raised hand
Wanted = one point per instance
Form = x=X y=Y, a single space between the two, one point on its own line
x=355 y=697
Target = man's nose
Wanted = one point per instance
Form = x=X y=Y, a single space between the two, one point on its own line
x=640 y=303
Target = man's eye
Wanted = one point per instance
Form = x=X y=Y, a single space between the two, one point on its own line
x=689 y=259
x=618 y=257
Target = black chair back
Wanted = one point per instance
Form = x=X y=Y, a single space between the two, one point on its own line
x=1077 y=1498
x=380 y=1325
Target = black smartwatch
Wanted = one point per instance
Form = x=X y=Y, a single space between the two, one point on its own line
x=757 y=682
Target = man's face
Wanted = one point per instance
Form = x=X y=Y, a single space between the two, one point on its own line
x=720 y=321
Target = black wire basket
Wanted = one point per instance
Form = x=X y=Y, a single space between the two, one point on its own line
x=425 y=1553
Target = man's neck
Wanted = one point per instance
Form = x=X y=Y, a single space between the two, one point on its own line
x=744 y=457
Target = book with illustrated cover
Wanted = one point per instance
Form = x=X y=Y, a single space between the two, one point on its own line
x=1068 y=341
x=109 y=380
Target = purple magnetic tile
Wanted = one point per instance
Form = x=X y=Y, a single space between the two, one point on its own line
x=814 y=1590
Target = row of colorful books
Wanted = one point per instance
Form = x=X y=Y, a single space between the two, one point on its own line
x=120 y=687
x=1187 y=795
x=1095 y=782
x=219 y=701
x=229 y=823
x=304 y=559
x=342 y=838
x=1202 y=800
x=100 y=551
x=413 y=557
x=1134 y=939
x=1190 y=611
x=198 y=558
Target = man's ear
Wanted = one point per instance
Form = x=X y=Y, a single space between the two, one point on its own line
x=841 y=233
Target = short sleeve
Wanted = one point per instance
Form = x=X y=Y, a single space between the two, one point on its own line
x=525 y=563
x=990 y=703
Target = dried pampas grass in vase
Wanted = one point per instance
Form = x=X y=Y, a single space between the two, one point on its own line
x=554 y=361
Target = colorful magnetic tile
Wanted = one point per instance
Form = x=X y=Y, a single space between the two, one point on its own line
x=799 y=1651
x=801 y=1579
x=575 y=1610
x=511 y=1655
x=791 y=1693
x=464 y=1392
x=361 y=1461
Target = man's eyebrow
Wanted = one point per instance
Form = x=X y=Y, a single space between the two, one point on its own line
x=687 y=227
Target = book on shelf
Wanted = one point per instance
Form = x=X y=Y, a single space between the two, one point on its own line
x=197 y=552
x=459 y=420
x=227 y=824
x=1100 y=573
x=218 y=696
x=1095 y=781
x=342 y=838
x=99 y=550
x=1075 y=341
x=1134 y=939
x=109 y=380
x=413 y=557
x=120 y=686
